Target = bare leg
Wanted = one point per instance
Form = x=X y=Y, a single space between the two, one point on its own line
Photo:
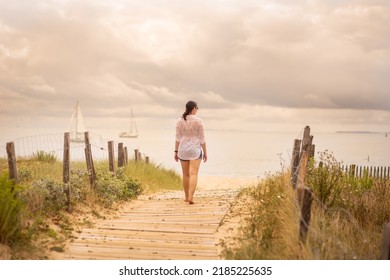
x=193 y=179
x=185 y=167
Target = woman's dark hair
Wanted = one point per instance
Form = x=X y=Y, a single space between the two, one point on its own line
x=189 y=107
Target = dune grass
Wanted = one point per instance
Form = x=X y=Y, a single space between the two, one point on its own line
x=347 y=219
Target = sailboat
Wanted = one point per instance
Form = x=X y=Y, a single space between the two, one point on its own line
x=133 y=132
x=77 y=127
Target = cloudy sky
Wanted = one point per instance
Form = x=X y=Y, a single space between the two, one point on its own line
x=250 y=64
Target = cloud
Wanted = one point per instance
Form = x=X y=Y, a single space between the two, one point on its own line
x=281 y=56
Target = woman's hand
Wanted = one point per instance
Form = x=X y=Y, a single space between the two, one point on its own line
x=176 y=157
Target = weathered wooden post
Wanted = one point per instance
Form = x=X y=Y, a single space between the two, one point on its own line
x=66 y=158
x=136 y=155
x=139 y=156
x=303 y=162
x=147 y=160
x=12 y=171
x=126 y=156
x=121 y=155
x=306 y=139
x=89 y=159
x=66 y=170
x=385 y=255
x=111 y=156
x=303 y=151
x=305 y=213
x=295 y=162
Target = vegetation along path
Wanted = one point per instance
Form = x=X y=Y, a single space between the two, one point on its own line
x=160 y=227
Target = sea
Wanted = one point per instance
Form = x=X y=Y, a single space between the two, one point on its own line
x=231 y=153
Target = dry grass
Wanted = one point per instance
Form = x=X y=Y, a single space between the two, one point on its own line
x=270 y=228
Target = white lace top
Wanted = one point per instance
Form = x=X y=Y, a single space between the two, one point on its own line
x=190 y=135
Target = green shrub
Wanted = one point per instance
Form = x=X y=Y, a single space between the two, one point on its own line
x=326 y=180
x=10 y=211
x=24 y=174
x=80 y=185
x=44 y=196
x=111 y=188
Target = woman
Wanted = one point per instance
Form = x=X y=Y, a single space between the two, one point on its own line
x=190 y=147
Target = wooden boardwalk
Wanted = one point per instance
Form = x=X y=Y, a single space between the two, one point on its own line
x=161 y=227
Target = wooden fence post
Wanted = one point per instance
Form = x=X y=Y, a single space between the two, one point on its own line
x=136 y=155
x=305 y=214
x=295 y=162
x=139 y=156
x=303 y=162
x=111 y=156
x=126 y=156
x=89 y=159
x=66 y=158
x=12 y=171
x=307 y=139
x=385 y=255
x=302 y=174
x=121 y=155
x=66 y=170
x=147 y=159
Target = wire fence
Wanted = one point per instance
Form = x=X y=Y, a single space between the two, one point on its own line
x=53 y=144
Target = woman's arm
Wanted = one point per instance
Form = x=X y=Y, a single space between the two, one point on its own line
x=204 y=148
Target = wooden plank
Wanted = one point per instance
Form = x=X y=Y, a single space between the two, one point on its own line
x=177 y=220
x=169 y=236
x=182 y=230
x=118 y=243
x=138 y=255
x=144 y=239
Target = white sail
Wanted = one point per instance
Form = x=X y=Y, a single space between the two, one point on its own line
x=77 y=127
x=133 y=132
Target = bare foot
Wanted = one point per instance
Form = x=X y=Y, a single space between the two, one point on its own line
x=190 y=202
